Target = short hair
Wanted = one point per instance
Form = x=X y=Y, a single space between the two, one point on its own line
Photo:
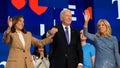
x=108 y=27
x=61 y=13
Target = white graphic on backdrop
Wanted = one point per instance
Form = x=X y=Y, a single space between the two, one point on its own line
x=3 y=63
x=73 y=7
x=118 y=5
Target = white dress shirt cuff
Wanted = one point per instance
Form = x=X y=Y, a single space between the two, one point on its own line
x=80 y=64
x=47 y=34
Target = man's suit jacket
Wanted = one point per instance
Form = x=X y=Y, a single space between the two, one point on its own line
x=61 y=53
x=19 y=56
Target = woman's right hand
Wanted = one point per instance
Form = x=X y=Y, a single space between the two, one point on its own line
x=9 y=21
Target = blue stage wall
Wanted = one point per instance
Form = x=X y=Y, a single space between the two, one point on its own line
x=44 y=15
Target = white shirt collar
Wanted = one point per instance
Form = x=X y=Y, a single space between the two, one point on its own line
x=65 y=26
x=21 y=38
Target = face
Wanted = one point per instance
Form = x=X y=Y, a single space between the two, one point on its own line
x=20 y=24
x=66 y=17
x=82 y=36
x=41 y=50
x=102 y=28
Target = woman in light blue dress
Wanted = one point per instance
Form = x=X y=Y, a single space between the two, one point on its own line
x=107 y=54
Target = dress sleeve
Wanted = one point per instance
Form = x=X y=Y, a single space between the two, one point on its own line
x=89 y=35
x=116 y=50
x=6 y=36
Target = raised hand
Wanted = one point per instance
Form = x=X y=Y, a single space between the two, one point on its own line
x=9 y=21
x=86 y=17
x=53 y=31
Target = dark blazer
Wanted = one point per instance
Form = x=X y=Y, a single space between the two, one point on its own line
x=61 y=53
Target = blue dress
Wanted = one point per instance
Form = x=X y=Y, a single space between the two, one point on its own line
x=107 y=54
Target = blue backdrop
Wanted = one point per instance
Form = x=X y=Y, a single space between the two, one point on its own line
x=108 y=9
x=41 y=15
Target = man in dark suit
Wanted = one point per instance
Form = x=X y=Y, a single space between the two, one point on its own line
x=65 y=51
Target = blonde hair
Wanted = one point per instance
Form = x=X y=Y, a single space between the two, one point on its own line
x=108 y=27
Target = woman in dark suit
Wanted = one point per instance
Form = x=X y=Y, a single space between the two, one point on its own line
x=19 y=41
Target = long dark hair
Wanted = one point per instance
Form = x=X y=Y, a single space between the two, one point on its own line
x=35 y=52
x=14 y=22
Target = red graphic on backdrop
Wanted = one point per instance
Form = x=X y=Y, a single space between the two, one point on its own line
x=18 y=3
x=90 y=11
x=37 y=9
x=33 y=4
